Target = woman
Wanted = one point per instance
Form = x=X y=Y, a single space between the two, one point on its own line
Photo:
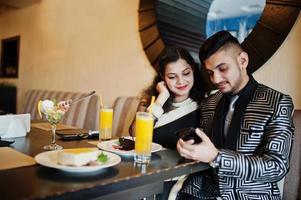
x=178 y=88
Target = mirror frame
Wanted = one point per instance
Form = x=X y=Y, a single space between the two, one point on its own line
x=275 y=23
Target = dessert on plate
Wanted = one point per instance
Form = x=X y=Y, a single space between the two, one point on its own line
x=125 y=144
x=78 y=156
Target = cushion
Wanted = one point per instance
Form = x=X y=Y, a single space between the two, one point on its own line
x=82 y=114
x=124 y=113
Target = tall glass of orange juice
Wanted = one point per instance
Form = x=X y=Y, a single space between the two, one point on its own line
x=144 y=137
x=105 y=123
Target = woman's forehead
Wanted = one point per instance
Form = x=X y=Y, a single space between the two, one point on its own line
x=177 y=66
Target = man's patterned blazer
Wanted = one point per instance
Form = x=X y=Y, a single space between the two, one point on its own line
x=255 y=155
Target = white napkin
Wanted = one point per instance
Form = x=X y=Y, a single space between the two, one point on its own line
x=12 y=126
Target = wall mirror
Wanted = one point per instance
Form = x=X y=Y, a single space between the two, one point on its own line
x=239 y=17
x=10 y=57
x=188 y=23
x=271 y=29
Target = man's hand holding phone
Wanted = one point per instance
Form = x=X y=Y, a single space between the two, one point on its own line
x=205 y=151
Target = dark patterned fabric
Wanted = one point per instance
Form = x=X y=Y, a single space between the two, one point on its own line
x=263 y=146
x=199 y=186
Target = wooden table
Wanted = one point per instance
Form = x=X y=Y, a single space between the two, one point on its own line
x=123 y=181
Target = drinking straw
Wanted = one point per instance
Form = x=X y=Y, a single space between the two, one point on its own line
x=100 y=101
x=151 y=105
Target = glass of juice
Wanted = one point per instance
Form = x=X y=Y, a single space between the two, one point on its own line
x=105 y=123
x=144 y=137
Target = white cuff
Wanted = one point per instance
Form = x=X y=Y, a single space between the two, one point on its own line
x=157 y=110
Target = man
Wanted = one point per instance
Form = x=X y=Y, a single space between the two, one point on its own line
x=248 y=150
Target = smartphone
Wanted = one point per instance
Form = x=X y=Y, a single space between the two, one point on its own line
x=188 y=134
x=6 y=142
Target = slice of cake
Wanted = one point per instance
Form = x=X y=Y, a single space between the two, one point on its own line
x=126 y=144
x=77 y=156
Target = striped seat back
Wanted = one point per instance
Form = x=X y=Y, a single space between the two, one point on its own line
x=124 y=113
x=292 y=183
x=82 y=114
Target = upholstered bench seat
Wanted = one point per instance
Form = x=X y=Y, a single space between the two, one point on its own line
x=125 y=108
x=82 y=114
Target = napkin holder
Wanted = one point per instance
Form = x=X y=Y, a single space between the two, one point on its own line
x=12 y=126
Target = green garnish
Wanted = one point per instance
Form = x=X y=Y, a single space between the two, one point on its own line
x=102 y=158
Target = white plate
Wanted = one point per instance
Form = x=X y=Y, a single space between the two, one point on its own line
x=108 y=146
x=49 y=159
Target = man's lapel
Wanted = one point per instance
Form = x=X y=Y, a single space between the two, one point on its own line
x=218 y=123
x=238 y=116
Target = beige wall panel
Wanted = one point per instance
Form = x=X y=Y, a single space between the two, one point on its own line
x=283 y=70
x=75 y=45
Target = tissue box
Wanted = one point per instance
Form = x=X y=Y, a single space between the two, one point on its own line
x=12 y=126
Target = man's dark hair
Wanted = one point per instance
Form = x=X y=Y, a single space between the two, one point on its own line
x=215 y=42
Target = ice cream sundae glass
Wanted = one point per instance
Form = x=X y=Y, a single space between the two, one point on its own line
x=53 y=112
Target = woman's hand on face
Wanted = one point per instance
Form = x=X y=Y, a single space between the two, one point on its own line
x=162 y=88
x=163 y=93
x=204 y=151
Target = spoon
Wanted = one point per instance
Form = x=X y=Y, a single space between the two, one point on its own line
x=82 y=98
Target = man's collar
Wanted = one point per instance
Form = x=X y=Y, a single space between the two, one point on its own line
x=248 y=87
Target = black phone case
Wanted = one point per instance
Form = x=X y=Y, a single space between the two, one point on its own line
x=189 y=134
x=75 y=134
x=5 y=143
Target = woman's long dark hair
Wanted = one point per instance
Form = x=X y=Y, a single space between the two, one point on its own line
x=170 y=55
